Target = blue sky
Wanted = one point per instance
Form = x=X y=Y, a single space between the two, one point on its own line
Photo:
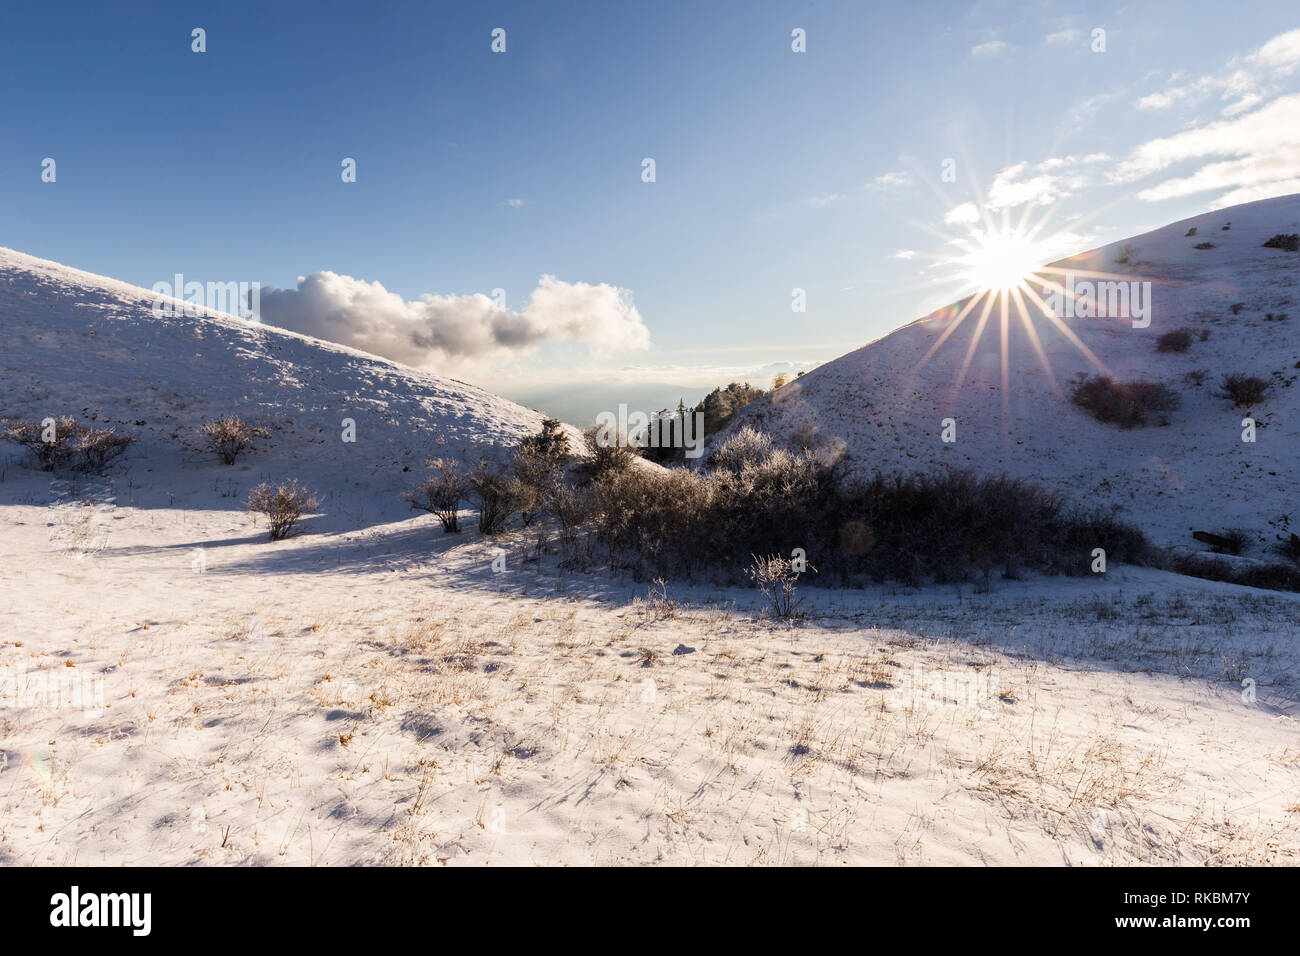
x=477 y=171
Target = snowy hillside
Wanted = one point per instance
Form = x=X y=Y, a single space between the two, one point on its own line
x=177 y=689
x=91 y=347
x=882 y=408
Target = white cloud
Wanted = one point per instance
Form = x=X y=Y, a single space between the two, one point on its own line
x=1157 y=101
x=904 y=254
x=1063 y=37
x=452 y=329
x=1266 y=141
x=992 y=48
x=891 y=180
x=514 y=203
x=1009 y=190
x=967 y=212
x=1252 y=152
x=1048 y=182
x=826 y=199
x=1265 y=163
x=1243 y=83
x=1282 y=53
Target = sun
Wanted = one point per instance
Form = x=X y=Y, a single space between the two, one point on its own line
x=998 y=260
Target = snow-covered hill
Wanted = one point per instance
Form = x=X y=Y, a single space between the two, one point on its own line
x=79 y=344
x=882 y=408
x=177 y=689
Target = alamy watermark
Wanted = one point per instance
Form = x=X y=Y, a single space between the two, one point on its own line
x=178 y=297
x=934 y=690
x=683 y=430
x=1083 y=298
x=60 y=689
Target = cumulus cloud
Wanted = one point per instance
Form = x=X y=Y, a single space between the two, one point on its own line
x=1251 y=152
x=1051 y=180
x=453 y=329
x=1258 y=151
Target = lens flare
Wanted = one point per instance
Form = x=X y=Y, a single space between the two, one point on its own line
x=1001 y=259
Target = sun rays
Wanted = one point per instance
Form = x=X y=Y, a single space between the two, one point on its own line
x=1019 y=278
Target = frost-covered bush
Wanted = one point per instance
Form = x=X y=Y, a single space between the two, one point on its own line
x=283 y=505
x=67 y=443
x=228 y=436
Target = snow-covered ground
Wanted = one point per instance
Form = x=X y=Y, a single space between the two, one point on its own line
x=174 y=688
x=883 y=407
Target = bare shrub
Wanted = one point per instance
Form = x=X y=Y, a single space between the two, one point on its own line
x=228 y=436
x=1203 y=245
x=1127 y=255
x=1243 y=389
x=490 y=489
x=51 y=445
x=283 y=505
x=775 y=578
x=1287 y=241
x=572 y=508
x=441 y=493
x=96 y=448
x=67 y=443
x=1124 y=404
x=1179 y=340
x=608 y=456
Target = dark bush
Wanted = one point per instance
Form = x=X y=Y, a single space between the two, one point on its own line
x=1243 y=389
x=538 y=465
x=1179 y=340
x=550 y=445
x=914 y=528
x=1274 y=577
x=607 y=455
x=1287 y=241
x=722 y=403
x=441 y=493
x=490 y=490
x=1234 y=541
x=1125 y=404
x=1204 y=245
